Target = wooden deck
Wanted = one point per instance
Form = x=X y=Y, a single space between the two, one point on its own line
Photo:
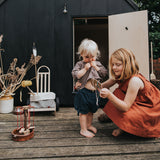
x=57 y=137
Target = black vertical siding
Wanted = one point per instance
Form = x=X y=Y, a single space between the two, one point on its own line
x=42 y=21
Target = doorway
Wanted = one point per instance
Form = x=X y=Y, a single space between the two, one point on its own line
x=95 y=29
x=91 y=28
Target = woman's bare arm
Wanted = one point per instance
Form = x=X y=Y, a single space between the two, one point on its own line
x=108 y=83
x=134 y=85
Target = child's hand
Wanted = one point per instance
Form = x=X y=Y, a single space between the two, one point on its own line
x=104 y=92
x=78 y=84
x=87 y=66
x=93 y=64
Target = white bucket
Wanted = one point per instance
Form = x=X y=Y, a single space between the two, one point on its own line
x=6 y=104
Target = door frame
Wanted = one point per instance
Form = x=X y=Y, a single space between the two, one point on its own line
x=99 y=22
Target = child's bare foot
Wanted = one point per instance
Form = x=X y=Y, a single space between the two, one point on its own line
x=87 y=133
x=117 y=132
x=93 y=129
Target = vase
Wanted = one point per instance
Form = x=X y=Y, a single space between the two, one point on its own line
x=6 y=104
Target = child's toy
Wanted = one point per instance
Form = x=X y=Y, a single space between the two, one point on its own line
x=25 y=127
x=43 y=99
x=96 y=84
x=101 y=102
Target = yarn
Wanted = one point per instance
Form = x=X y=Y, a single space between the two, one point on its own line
x=26 y=83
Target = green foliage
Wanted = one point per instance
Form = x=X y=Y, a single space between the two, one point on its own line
x=155 y=38
x=153 y=7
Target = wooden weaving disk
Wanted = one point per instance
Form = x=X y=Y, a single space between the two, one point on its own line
x=96 y=84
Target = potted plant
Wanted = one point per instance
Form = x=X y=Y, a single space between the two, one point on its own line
x=11 y=81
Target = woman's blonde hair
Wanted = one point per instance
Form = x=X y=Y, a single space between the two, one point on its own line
x=89 y=48
x=130 y=65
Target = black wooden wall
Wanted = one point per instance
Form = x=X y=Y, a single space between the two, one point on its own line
x=42 y=21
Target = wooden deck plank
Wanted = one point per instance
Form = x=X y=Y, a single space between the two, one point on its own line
x=73 y=135
x=62 y=127
x=148 y=156
x=77 y=151
x=57 y=142
x=57 y=137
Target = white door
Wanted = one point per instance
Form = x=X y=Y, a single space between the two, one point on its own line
x=130 y=31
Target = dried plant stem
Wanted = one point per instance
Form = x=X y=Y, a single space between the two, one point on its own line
x=30 y=91
x=36 y=75
x=1 y=63
x=2 y=82
x=11 y=81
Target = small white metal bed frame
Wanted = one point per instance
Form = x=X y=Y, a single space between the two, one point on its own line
x=43 y=91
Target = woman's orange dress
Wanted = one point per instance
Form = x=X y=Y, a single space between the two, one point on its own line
x=143 y=118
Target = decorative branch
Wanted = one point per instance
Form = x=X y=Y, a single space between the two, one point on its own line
x=11 y=81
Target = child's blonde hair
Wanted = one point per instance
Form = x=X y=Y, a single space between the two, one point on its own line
x=130 y=65
x=89 y=48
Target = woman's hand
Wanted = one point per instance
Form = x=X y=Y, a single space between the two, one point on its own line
x=104 y=93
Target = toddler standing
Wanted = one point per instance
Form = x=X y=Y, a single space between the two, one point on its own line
x=83 y=72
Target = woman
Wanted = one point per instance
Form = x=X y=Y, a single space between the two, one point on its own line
x=135 y=105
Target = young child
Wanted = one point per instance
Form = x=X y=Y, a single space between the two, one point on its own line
x=83 y=72
x=135 y=105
